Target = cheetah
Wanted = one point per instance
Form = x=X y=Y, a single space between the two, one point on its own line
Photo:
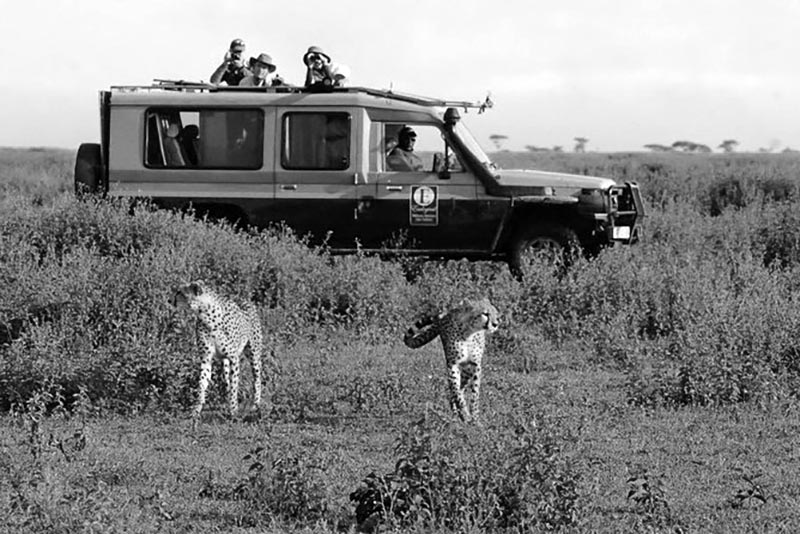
x=463 y=331
x=224 y=329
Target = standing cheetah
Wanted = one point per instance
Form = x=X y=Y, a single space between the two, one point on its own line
x=463 y=331
x=226 y=329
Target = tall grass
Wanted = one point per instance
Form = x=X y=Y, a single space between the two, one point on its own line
x=702 y=311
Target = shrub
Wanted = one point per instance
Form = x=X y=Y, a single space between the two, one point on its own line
x=276 y=486
x=700 y=296
x=461 y=479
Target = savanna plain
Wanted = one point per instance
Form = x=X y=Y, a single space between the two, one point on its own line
x=653 y=388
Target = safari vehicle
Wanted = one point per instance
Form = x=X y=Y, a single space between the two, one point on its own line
x=317 y=161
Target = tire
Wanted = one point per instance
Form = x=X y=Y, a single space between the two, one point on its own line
x=549 y=243
x=88 y=170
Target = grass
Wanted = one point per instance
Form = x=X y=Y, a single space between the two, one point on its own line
x=153 y=473
x=652 y=389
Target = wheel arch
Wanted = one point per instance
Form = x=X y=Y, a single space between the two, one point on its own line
x=525 y=217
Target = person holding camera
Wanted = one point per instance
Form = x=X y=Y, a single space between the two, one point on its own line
x=321 y=71
x=232 y=70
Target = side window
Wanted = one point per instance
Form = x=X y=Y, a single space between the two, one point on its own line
x=204 y=138
x=416 y=148
x=316 y=141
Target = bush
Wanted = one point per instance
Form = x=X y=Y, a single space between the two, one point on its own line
x=695 y=299
x=288 y=488
x=461 y=479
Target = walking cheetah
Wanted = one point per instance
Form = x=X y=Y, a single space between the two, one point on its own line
x=228 y=330
x=463 y=331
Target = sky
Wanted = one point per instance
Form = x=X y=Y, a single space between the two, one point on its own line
x=622 y=74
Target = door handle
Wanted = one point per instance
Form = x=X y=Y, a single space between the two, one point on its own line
x=394 y=187
x=289 y=187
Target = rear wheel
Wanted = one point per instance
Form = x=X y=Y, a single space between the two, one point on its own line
x=543 y=244
x=88 y=170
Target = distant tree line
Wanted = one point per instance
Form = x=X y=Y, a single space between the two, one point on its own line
x=727 y=146
x=690 y=147
x=580 y=144
x=679 y=146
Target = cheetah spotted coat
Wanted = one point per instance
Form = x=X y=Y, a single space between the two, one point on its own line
x=463 y=332
x=227 y=330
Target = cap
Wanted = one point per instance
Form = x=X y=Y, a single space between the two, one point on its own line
x=315 y=50
x=266 y=59
x=407 y=131
x=237 y=45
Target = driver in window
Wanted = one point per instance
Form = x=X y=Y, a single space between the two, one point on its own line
x=402 y=157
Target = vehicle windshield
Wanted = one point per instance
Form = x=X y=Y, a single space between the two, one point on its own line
x=472 y=145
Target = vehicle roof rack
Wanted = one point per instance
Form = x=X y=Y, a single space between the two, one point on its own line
x=192 y=86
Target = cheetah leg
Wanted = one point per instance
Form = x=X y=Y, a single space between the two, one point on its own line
x=475 y=390
x=233 y=386
x=205 y=375
x=226 y=374
x=457 y=401
x=256 y=350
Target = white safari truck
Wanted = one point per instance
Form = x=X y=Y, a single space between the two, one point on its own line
x=326 y=164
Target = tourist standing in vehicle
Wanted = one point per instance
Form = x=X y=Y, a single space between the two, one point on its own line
x=402 y=157
x=263 y=73
x=232 y=70
x=321 y=71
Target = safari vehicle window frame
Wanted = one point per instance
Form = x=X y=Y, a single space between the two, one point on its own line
x=284 y=148
x=199 y=109
x=425 y=155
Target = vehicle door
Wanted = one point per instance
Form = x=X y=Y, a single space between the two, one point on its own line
x=418 y=205
x=315 y=173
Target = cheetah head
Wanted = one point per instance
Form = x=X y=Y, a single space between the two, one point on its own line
x=480 y=314
x=189 y=294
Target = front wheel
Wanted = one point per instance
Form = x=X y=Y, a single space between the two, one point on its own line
x=542 y=244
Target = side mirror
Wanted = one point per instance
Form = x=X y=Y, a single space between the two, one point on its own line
x=440 y=166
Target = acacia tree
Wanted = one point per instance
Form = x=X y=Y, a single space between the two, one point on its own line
x=728 y=145
x=498 y=139
x=655 y=147
x=580 y=144
x=690 y=146
x=534 y=148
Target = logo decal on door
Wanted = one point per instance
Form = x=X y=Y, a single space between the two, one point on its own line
x=423 y=205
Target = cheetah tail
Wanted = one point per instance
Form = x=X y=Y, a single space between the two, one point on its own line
x=421 y=333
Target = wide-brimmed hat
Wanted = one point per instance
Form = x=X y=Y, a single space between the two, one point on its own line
x=315 y=50
x=266 y=59
x=237 y=45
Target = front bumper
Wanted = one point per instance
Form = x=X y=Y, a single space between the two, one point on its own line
x=623 y=222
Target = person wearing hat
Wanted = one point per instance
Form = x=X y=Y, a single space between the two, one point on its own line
x=232 y=70
x=402 y=157
x=263 y=74
x=321 y=71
